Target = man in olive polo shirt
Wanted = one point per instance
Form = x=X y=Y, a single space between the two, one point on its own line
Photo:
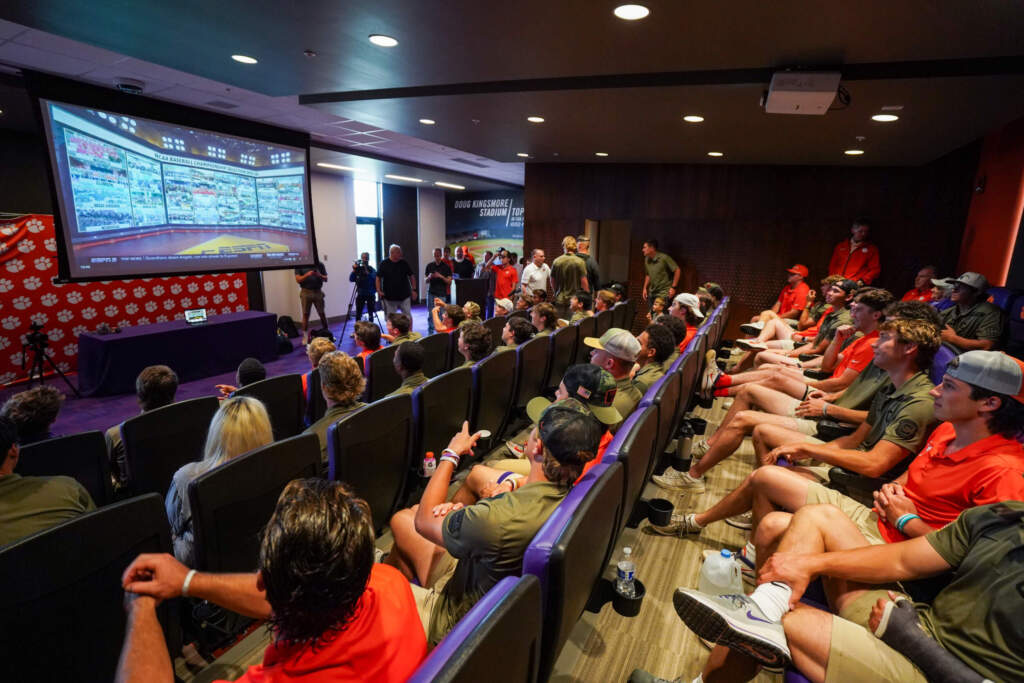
x=516 y=331
x=457 y=553
x=568 y=276
x=400 y=329
x=342 y=383
x=972 y=322
x=408 y=364
x=616 y=351
x=656 y=345
x=662 y=273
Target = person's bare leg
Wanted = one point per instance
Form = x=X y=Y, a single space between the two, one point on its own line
x=745 y=361
x=785 y=382
x=731 y=436
x=470 y=491
x=775 y=329
x=412 y=554
x=741 y=378
x=773 y=357
x=727 y=665
x=809 y=635
x=781 y=487
x=768 y=532
x=767 y=436
x=740 y=402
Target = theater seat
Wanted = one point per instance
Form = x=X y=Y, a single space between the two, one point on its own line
x=531 y=371
x=603 y=321
x=525 y=315
x=382 y=378
x=585 y=328
x=943 y=356
x=370 y=451
x=493 y=380
x=570 y=552
x=435 y=353
x=664 y=397
x=82 y=457
x=560 y=355
x=61 y=608
x=633 y=446
x=619 y=313
x=439 y=407
x=496 y=325
x=502 y=630
x=316 y=404
x=1015 y=327
x=283 y=399
x=630 y=313
x=233 y=502
x=158 y=442
x=1001 y=297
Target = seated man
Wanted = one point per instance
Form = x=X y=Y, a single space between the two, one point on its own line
x=155 y=387
x=790 y=303
x=367 y=341
x=539 y=296
x=616 y=351
x=33 y=413
x=897 y=423
x=604 y=300
x=942 y=293
x=686 y=308
x=459 y=553
x=474 y=343
x=922 y=290
x=516 y=331
x=249 y=371
x=342 y=383
x=678 y=329
x=472 y=311
x=31 y=504
x=846 y=356
x=409 y=366
x=446 y=317
x=777 y=334
x=544 y=319
x=656 y=345
x=503 y=306
x=972 y=323
x=580 y=304
x=333 y=612
x=400 y=329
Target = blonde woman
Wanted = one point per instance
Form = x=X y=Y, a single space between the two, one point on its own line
x=239 y=426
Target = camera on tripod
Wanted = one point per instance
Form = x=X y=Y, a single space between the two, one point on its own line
x=35 y=338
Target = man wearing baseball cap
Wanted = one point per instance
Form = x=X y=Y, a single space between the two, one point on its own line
x=941 y=514
x=686 y=307
x=616 y=351
x=457 y=553
x=790 y=303
x=972 y=322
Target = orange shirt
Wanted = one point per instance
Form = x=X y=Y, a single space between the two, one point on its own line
x=811 y=332
x=857 y=355
x=862 y=264
x=362 y=355
x=793 y=298
x=601 y=448
x=383 y=642
x=505 y=279
x=690 y=333
x=915 y=294
x=943 y=485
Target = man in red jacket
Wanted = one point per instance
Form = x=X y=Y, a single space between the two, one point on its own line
x=856 y=258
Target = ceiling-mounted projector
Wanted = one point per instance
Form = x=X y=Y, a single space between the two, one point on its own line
x=801 y=92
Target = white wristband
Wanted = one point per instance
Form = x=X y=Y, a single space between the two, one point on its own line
x=188 y=580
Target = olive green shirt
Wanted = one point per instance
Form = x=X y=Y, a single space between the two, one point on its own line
x=333 y=414
x=31 y=504
x=489 y=539
x=577 y=316
x=833 y=320
x=506 y=347
x=862 y=390
x=660 y=269
x=981 y=321
x=409 y=383
x=567 y=273
x=409 y=336
x=977 y=616
x=648 y=375
x=543 y=333
x=816 y=309
x=627 y=396
x=901 y=416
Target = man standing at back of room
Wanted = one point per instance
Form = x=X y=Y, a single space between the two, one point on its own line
x=438 y=278
x=396 y=283
x=593 y=270
x=856 y=258
x=662 y=278
x=311 y=293
x=568 y=276
x=536 y=274
x=462 y=267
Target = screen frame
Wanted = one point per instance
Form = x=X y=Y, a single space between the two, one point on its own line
x=46 y=87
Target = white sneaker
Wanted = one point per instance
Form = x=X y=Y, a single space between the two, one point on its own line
x=744 y=521
x=710 y=376
x=751 y=345
x=698 y=448
x=682 y=523
x=674 y=480
x=752 y=328
x=517 y=449
x=734 y=621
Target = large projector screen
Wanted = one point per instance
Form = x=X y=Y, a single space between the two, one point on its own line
x=141 y=197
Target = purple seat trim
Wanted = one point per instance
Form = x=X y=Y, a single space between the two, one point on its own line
x=939 y=363
x=794 y=676
x=614 y=449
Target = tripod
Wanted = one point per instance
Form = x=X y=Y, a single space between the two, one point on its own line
x=348 y=313
x=36 y=343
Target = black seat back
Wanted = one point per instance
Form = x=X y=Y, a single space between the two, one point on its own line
x=61 y=612
x=158 y=442
x=585 y=328
x=435 y=353
x=316 y=404
x=82 y=457
x=619 y=313
x=232 y=503
x=531 y=369
x=560 y=355
x=667 y=401
x=496 y=325
x=283 y=399
x=493 y=380
x=370 y=451
x=439 y=407
x=382 y=379
x=603 y=322
x=525 y=315
x=630 y=313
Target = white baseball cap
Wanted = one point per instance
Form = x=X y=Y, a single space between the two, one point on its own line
x=689 y=301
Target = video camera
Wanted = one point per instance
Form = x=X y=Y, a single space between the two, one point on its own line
x=35 y=337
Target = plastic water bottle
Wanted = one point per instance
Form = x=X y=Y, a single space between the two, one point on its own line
x=721 y=575
x=429 y=464
x=626 y=569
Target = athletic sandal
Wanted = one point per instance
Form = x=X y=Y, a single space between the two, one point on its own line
x=744 y=521
x=734 y=621
x=752 y=329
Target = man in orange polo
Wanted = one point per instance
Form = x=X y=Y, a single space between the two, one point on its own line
x=856 y=258
x=790 y=303
x=922 y=290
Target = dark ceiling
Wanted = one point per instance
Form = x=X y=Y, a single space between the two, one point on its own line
x=471 y=42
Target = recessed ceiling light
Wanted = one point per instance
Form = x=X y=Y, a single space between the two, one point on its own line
x=631 y=12
x=428 y=122
x=244 y=59
x=452 y=186
x=336 y=167
x=600 y=154
x=716 y=154
x=693 y=118
x=523 y=155
x=853 y=152
x=535 y=119
x=402 y=177
x=382 y=40
x=885 y=118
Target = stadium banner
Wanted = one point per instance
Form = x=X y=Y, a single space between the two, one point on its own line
x=28 y=265
x=485 y=221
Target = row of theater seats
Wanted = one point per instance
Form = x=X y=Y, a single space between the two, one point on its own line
x=1012 y=303
x=73 y=608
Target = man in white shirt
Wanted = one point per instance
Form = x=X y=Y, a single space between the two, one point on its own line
x=536 y=274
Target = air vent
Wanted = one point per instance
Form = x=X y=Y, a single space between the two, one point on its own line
x=469 y=163
x=221 y=104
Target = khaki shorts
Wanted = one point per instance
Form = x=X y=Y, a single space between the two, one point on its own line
x=426 y=596
x=861 y=515
x=800 y=424
x=519 y=467
x=786 y=344
x=855 y=654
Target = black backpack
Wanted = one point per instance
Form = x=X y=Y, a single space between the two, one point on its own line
x=287 y=325
x=323 y=332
